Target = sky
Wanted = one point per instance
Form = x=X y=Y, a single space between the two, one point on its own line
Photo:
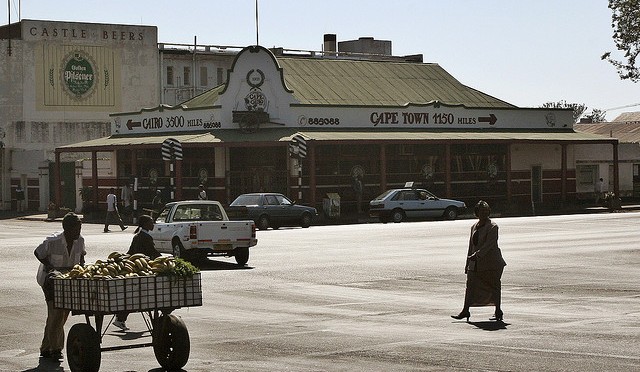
x=525 y=52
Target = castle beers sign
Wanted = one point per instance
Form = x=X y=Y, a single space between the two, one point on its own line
x=78 y=75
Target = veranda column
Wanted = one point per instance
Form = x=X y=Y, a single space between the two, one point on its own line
x=508 y=165
x=447 y=169
x=312 y=171
x=94 y=176
x=616 y=180
x=56 y=179
x=383 y=167
x=563 y=177
x=179 y=179
x=134 y=163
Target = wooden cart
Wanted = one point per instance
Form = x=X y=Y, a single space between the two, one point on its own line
x=153 y=296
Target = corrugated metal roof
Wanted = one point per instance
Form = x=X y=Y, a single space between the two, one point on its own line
x=340 y=82
x=205 y=99
x=624 y=132
x=377 y=83
x=406 y=136
x=284 y=135
x=627 y=117
x=124 y=141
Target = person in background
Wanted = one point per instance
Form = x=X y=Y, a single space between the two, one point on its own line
x=127 y=198
x=599 y=190
x=20 y=198
x=59 y=252
x=142 y=243
x=156 y=204
x=202 y=194
x=357 y=188
x=484 y=265
x=112 y=211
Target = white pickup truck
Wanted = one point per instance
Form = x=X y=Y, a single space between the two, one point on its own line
x=196 y=229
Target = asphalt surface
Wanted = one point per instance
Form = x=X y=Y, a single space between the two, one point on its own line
x=373 y=297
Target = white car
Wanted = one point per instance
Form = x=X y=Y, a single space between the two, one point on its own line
x=398 y=205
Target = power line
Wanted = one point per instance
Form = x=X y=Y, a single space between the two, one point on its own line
x=621 y=107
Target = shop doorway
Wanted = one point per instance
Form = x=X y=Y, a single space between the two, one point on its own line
x=67 y=184
x=261 y=169
x=257 y=179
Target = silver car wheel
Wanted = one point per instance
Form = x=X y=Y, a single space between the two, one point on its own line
x=397 y=215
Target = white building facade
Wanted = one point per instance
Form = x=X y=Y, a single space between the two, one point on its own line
x=59 y=81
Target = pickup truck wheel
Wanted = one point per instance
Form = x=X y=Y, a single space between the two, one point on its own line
x=263 y=223
x=305 y=221
x=178 y=249
x=242 y=255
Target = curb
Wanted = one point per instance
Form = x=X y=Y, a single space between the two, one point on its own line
x=347 y=220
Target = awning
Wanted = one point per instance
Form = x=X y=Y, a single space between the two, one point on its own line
x=455 y=136
x=265 y=137
x=111 y=142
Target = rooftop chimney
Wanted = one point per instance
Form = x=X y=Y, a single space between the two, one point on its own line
x=330 y=43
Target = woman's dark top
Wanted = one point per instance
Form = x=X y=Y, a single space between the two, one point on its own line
x=484 y=243
x=143 y=243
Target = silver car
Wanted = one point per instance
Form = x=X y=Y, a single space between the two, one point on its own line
x=398 y=205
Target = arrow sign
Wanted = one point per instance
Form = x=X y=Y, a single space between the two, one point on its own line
x=132 y=124
x=491 y=119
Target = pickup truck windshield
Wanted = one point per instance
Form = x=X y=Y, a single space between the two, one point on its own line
x=198 y=212
x=163 y=215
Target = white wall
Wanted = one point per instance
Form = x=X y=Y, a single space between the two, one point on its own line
x=601 y=155
x=34 y=123
x=524 y=156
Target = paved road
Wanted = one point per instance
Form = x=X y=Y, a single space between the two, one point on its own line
x=374 y=297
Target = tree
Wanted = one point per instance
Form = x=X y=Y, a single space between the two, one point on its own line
x=578 y=108
x=597 y=116
x=625 y=22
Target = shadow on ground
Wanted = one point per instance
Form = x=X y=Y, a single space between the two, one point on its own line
x=490 y=325
x=211 y=265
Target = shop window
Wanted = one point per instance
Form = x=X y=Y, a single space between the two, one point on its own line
x=204 y=79
x=586 y=175
x=470 y=163
x=477 y=158
x=406 y=150
x=186 y=77
x=169 y=75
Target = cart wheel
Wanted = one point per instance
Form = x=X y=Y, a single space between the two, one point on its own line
x=83 y=348
x=171 y=342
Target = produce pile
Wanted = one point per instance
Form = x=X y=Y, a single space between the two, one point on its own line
x=121 y=265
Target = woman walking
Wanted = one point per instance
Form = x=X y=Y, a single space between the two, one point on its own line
x=484 y=265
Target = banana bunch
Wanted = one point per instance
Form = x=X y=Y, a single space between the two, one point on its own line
x=121 y=265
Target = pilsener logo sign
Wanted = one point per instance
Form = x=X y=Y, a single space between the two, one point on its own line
x=78 y=75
